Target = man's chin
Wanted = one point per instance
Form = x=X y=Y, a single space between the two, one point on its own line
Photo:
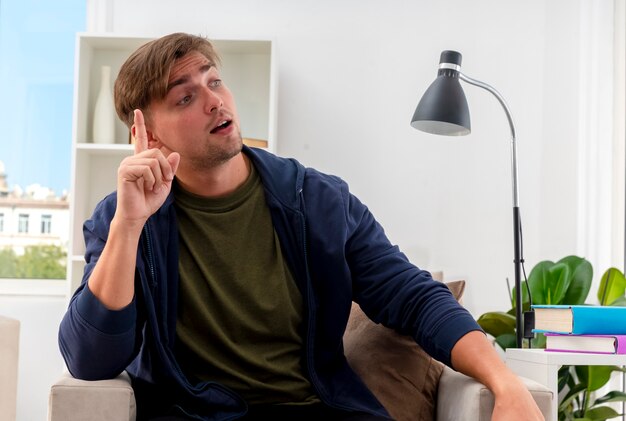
x=238 y=143
x=230 y=150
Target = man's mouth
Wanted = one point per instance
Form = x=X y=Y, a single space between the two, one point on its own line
x=223 y=125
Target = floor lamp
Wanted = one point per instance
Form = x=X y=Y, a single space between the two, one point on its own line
x=443 y=110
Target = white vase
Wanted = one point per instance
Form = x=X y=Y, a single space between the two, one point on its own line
x=104 y=111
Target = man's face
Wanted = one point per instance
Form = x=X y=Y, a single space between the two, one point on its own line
x=197 y=118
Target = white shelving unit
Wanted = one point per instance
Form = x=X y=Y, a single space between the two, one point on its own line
x=248 y=69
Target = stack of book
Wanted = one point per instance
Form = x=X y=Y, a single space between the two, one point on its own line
x=582 y=328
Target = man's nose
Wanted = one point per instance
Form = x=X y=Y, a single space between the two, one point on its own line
x=213 y=102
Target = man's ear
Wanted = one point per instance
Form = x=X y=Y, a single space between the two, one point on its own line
x=153 y=142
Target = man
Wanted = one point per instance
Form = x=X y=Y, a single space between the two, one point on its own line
x=221 y=277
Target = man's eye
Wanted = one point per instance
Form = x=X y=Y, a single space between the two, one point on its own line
x=215 y=83
x=185 y=100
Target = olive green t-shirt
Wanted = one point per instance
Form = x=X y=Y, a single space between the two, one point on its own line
x=239 y=310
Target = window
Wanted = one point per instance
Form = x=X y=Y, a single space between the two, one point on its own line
x=46 y=223
x=37 y=42
x=22 y=223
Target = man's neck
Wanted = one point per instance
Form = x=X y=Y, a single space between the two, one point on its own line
x=218 y=181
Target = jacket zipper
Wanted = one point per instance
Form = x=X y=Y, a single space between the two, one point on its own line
x=152 y=270
x=150 y=254
x=315 y=381
x=317 y=384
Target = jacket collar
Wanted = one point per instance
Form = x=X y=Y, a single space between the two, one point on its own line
x=282 y=177
x=277 y=174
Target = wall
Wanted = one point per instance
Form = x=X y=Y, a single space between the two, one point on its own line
x=350 y=76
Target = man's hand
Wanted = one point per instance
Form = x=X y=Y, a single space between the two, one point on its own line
x=474 y=356
x=143 y=182
x=514 y=401
x=144 y=179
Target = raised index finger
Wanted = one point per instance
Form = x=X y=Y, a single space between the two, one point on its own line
x=141 y=136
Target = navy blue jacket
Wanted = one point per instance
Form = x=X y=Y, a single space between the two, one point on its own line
x=337 y=253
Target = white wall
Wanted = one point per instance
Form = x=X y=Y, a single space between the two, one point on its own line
x=351 y=74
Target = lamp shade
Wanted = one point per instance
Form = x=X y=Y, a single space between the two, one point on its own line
x=443 y=108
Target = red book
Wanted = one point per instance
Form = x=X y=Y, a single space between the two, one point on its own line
x=595 y=344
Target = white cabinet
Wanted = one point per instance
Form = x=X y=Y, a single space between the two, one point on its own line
x=248 y=69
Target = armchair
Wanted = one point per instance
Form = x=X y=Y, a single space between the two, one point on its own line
x=406 y=380
x=9 y=347
x=458 y=397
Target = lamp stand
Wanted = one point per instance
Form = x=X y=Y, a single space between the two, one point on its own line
x=517 y=246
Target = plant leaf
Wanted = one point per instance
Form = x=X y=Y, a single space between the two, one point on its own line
x=536 y=282
x=612 y=286
x=497 y=323
x=595 y=376
x=507 y=340
x=552 y=283
x=612 y=396
x=539 y=341
x=571 y=395
x=620 y=302
x=564 y=376
x=601 y=413
x=582 y=274
x=559 y=280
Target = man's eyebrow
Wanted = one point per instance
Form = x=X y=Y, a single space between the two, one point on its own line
x=185 y=78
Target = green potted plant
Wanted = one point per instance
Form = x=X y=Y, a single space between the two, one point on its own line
x=567 y=281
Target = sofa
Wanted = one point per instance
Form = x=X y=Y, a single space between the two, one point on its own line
x=406 y=380
x=9 y=352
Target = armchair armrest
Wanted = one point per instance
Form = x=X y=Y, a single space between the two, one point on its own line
x=9 y=356
x=461 y=397
x=103 y=400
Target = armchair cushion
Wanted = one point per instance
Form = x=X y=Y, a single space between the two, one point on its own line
x=397 y=370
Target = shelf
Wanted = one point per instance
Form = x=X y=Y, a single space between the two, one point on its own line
x=543 y=357
x=112 y=149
